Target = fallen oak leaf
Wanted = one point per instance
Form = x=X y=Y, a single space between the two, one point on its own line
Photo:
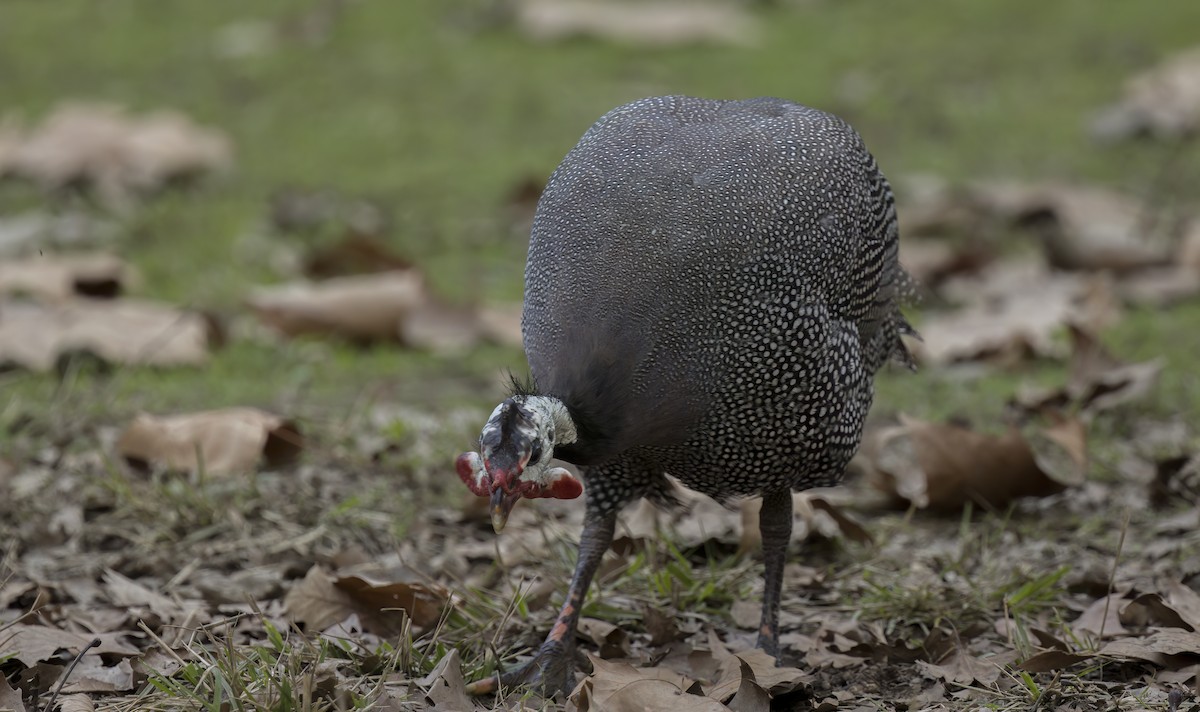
x=132 y=332
x=1185 y=602
x=941 y=466
x=1162 y=102
x=649 y=23
x=611 y=641
x=321 y=600
x=445 y=687
x=10 y=699
x=1052 y=661
x=221 y=441
x=32 y=644
x=620 y=686
x=101 y=146
x=92 y=675
x=362 y=307
x=58 y=278
x=962 y=668
x=1012 y=311
x=1150 y=609
x=1160 y=647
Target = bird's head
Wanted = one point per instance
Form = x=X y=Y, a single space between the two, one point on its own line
x=516 y=447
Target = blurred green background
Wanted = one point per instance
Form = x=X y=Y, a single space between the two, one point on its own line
x=438 y=110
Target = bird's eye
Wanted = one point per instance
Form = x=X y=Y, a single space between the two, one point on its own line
x=535 y=454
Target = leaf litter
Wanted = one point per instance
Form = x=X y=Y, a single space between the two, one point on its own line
x=297 y=573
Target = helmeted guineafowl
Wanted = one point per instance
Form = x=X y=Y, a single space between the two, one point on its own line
x=711 y=287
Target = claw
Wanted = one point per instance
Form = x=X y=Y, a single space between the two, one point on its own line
x=549 y=672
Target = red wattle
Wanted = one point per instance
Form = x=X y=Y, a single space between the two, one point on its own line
x=565 y=487
x=465 y=465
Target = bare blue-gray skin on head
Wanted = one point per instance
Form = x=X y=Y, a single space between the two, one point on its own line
x=711 y=287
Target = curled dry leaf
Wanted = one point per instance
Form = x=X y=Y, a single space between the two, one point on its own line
x=1163 y=102
x=222 y=441
x=1159 y=647
x=1150 y=609
x=92 y=675
x=321 y=600
x=942 y=467
x=388 y=306
x=962 y=668
x=1012 y=311
x=611 y=641
x=362 y=307
x=657 y=22
x=355 y=253
x=129 y=332
x=10 y=699
x=57 y=278
x=1160 y=287
x=444 y=686
x=32 y=644
x=102 y=146
x=1052 y=660
x=932 y=262
x=618 y=686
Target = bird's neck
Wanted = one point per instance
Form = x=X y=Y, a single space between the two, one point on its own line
x=555 y=411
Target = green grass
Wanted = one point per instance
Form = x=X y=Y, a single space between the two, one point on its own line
x=435 y=113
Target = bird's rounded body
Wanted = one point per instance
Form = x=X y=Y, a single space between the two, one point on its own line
x=711 y=286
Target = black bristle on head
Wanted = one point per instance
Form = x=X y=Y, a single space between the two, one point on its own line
x=519 y=386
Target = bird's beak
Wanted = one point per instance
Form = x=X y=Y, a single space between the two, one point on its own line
x=502 y=504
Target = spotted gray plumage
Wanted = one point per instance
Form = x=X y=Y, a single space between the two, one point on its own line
x=711 y=287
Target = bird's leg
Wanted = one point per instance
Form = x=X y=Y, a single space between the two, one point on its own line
x=552 y=668
x=775 y=524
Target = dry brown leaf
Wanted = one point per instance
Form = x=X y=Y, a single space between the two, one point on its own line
x=1185 y=602
x=1163 y=102
x=102 y=146
x=32 y=644
x=774 y=678
x=1101 y=618
x=1012 y=311
x=58 y=278
x=355 y=253
x=750 y=697
x=932 y=262
x=361 y=307
x=611 y=641
x=226 y=441
x=444 y=686
x=1052 y=660
x=1097 y=381
x=656 y=22
x=92 y=675
x=941 y=466
x=124 y=591
x=35 y=336
x=440 y=328
x=1149 y=609
x=962 y=668
x=615 y=686
x=1156 y=647
x=320 y=601
x=1160 y=287
x=10 y=699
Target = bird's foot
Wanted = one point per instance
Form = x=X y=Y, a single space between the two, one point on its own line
x=768 y=642
x=549 y=672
